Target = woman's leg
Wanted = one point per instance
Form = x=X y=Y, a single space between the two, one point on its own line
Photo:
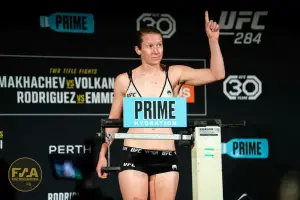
x=164 y=186
x=133 y=185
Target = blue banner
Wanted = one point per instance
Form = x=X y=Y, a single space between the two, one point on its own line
x=153 y=112
x=69 y=22
x=247 y=148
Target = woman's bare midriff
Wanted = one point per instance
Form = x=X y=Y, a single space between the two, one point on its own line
x=151 y=144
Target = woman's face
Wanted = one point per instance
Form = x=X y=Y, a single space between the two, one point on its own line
x=151 y=50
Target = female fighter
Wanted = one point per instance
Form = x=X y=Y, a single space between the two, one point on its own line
x=152 y=164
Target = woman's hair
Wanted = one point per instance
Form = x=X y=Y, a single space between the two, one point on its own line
x=147 y=29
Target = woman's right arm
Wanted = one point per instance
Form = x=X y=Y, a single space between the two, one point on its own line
x=116 y=108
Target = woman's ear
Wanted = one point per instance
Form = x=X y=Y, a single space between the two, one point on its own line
x=137 y=50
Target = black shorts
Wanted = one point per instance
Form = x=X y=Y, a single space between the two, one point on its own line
x=148 y=161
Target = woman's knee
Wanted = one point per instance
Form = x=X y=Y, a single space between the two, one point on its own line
x=164 y=186
x=133 y=185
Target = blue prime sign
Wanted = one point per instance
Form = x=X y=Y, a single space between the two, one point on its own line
x=150 y=112
x=247 y=148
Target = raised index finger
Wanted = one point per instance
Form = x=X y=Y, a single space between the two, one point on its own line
x=206 y=17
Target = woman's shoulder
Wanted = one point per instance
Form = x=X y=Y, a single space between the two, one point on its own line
x=123 y=78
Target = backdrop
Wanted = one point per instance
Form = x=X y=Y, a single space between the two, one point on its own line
x=57 y=78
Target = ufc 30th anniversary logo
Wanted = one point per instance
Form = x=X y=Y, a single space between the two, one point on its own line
x=242 y=87
x=165 y=23
x=25 y=174
x=245 y=26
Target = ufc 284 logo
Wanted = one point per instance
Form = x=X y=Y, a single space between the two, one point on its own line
x=235 y=22
x=242 y=87
x=165 y=23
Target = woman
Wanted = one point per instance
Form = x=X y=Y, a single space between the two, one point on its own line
x=153 y=163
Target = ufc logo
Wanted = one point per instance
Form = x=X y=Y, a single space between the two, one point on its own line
x=165 y=23
x=136 y=150
x=236 y=20
x=128 y=165
x=239 y=89
x=166 y=153
x=132 y=94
